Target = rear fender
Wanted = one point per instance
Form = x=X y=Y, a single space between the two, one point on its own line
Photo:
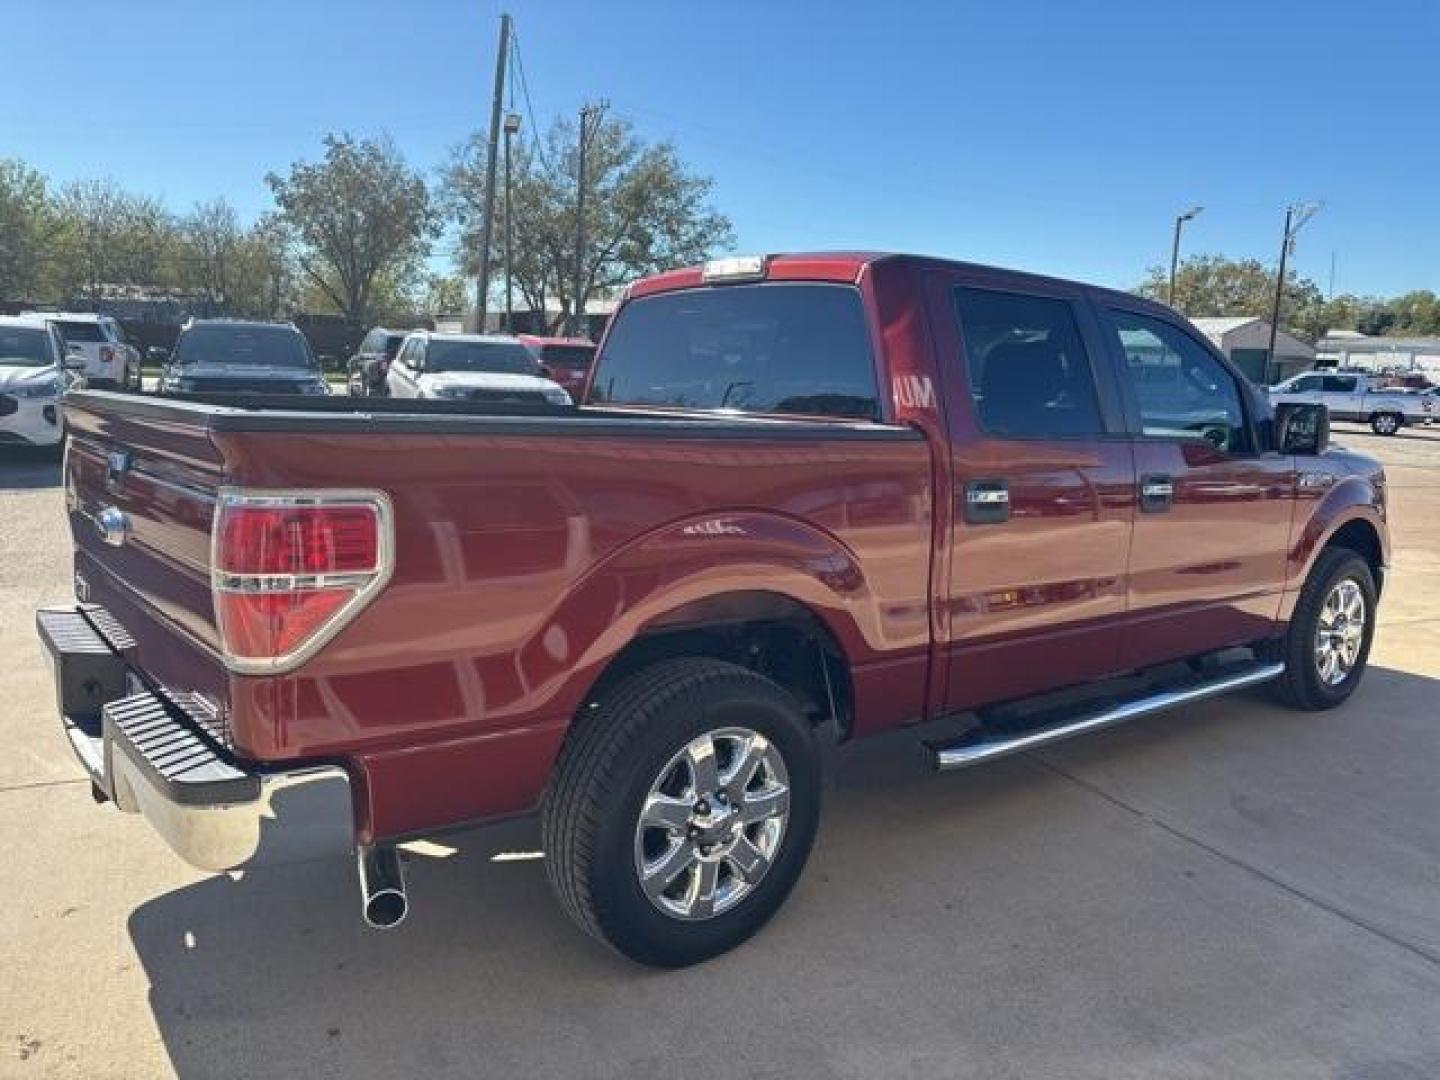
x=694 y=560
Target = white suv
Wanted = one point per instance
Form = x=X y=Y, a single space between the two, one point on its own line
x=111 y=362
x=31 y=382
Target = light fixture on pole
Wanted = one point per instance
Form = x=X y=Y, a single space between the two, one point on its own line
x=1180 y=219
x=512 y=126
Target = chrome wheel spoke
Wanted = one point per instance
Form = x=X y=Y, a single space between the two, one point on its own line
x=748 y=860
x=704 y=769
x=767 y=803
x=1340 y=632
x=665 y=812
x=700 y=899
x=747 y=763
x=661 y=874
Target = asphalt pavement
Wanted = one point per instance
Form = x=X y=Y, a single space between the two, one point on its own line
x=1231 y=889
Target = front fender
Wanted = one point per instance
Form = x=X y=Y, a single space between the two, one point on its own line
x=1321 y=512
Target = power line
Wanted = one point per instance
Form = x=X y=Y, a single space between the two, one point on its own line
x=535 y=140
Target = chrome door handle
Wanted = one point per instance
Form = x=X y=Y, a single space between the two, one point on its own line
x=987 y=502
x=1157 y=493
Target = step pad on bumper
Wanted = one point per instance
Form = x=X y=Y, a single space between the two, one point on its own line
x=174 y=757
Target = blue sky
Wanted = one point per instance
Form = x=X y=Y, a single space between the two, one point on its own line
x=1059 y=137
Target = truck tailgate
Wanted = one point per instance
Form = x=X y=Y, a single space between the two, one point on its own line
x=140 y=490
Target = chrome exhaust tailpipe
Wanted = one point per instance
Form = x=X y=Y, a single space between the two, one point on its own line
x=382 y=886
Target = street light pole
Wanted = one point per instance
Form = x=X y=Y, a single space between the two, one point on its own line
x=1180 y=220
x=1296 y=215
x=577 y=317
x=512 y=125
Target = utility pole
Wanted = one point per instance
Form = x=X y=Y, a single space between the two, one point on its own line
x=483 y=285
x=1332 y=275
x=1180 y=220
x=512 y=125
x=577 y=317
x=1296 y=215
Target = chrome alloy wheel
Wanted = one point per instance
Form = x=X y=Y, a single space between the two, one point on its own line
x=1340 y=632
x=711 y=823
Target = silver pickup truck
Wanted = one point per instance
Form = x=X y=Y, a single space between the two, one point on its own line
x=1349 y=396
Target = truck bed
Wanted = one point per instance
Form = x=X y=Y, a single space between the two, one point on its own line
x=531 y=544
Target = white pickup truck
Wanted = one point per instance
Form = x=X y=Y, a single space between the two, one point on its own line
x=111 y=362
x=1349 y=396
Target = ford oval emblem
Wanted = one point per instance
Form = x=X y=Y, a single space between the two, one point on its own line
x=113 y=525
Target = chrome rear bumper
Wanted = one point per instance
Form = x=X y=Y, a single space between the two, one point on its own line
x=141 y=752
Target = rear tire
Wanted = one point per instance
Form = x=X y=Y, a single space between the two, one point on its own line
x=1386 y=423
x=1323 y=652
x=624 y=811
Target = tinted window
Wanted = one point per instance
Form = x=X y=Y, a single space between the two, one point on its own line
x=1183 y=391
x=503 y=357
x=81 y=331
x=771 y=348
x=570 y=357
x=256 y=346
x=392 y=344
x=1339 y=384
x=1029 y=374
x=1305 y=384
x=24 y=346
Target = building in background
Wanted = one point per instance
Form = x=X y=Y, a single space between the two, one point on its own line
x=1245 y=341
x=1394 y=355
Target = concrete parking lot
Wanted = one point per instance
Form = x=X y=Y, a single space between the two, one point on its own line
x=1228 y=890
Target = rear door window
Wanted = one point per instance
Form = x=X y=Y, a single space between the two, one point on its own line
x=1029 y=373
x=787 y=348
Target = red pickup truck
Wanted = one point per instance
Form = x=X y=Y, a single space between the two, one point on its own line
x=807 y=498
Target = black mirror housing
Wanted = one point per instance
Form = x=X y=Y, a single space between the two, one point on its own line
x=1302 y=428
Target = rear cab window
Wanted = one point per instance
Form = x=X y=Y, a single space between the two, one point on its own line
x=1029 y=373
x=76 y=330
x=778 y=348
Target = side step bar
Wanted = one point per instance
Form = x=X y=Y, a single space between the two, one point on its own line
x=970 y=752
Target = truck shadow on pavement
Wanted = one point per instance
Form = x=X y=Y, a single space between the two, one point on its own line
x=29 y=467
x=1043 y=915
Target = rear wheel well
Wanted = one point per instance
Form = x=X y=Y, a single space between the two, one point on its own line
x=1362 y=538
x=767 y=633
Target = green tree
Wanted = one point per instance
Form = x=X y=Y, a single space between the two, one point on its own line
x=27 y=226
x=361 y=220
x=106 y=236
x=644 y=212
x=444 y=294
x=1207 y=285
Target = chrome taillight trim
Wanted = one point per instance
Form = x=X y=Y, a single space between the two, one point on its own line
x=367 y=584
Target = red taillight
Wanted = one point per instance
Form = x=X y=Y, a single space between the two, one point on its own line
x=297 y=539
x=290 y=570
x=107 y=354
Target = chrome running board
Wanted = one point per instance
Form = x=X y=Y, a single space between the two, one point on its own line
x=971 y=752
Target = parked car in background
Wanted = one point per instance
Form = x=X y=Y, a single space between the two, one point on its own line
x=566 y=360
x=371 y=363
x=32 y=379
x=1349 y=396
x=825 y=497
x=470 y=367
x=231 y=356
x=111 y=362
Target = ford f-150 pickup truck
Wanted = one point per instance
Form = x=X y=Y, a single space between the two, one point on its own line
x=804 y=499
x=1349 y=396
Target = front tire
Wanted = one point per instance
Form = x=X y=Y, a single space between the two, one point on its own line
x=682 y=811
x=1327 y=646
x=1385 y=423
